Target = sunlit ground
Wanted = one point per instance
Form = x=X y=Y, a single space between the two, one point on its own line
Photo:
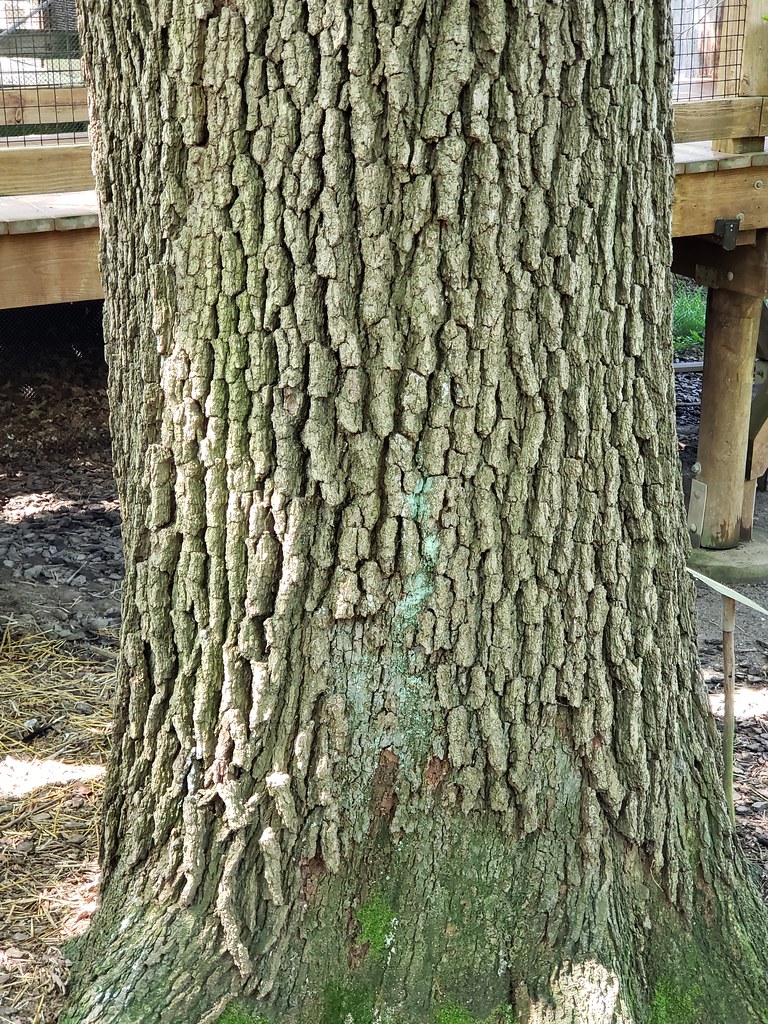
x=748 y=702
x=20 y=778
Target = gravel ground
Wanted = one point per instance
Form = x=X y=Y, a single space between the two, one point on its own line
x=60 y=550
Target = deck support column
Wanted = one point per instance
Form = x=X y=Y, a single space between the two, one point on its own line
x=733 y=320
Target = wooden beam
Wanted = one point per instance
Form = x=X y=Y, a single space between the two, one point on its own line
x=746 y=237
x=732 y=118
x=701 y=199
x=49 y=267
x=757 y=452
x=44 y=106
x=754 y=55
x=36 y=169
x=741 y=146
x=743 y=269
x=692 y=367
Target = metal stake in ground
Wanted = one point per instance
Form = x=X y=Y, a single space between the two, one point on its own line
x=729 y=689
x=730 y=597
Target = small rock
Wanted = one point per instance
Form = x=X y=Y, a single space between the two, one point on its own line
x=32 y=572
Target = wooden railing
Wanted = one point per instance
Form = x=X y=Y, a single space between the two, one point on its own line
x=42 y=106
x=707 y=120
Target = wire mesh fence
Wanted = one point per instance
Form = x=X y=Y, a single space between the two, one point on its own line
x=42 y=96
x=43 y=100
x=709 y=38
x=38 y=340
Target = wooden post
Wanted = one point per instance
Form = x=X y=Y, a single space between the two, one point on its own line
x=729 y=691
x=743 y=22
x=754 y=54
x=733 y=321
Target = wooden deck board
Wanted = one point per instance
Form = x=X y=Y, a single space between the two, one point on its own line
x=50 y=250
x=710 y=185
x=700 y=158
x=64 y=211
x=40 y=268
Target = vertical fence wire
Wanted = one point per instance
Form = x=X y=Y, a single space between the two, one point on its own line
x=42 y=99
x=709 y=38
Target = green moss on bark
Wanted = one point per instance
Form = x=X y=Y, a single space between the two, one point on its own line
x=236 y=1014
x=457 y=1015
x=375 y=919
x=356 y=1005
x=342 y=1004
x=674 y=1005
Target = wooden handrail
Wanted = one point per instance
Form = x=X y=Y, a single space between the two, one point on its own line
x=733 y=118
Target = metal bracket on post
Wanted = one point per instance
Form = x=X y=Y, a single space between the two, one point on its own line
x=696 y=508
x=727 y=230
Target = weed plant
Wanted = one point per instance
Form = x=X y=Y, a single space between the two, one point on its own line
x=688 y=318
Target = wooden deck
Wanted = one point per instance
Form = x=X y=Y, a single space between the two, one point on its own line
x=50 y=246
x=59 y=211
x=711 y=184
x=49 y=240
x=49 y=249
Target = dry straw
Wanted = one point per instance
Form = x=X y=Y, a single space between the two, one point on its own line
x=54 y=736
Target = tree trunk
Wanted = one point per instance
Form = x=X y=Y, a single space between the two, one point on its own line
x=409 y=723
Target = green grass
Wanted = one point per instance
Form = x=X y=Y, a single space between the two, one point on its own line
x=690 y=309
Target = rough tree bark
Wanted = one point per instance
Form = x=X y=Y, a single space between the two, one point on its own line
x=409 y=725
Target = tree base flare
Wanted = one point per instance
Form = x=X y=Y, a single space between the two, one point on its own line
x=402 y=939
